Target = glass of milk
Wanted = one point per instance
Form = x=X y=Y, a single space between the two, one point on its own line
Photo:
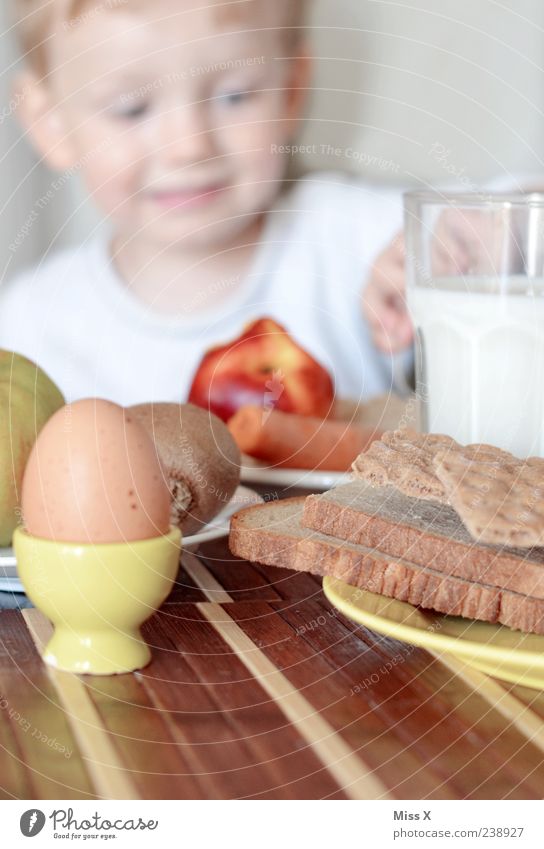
x=475 y=291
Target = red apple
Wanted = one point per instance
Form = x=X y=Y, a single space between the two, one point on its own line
x=265 y=367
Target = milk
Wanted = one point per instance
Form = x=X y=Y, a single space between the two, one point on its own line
x=481 y=372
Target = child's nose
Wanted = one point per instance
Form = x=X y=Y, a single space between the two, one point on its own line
x=185 y=133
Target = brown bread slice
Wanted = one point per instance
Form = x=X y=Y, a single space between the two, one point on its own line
x=423 y=532
x=272 y=534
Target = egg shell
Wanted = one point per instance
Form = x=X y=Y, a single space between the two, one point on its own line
x=94 y=476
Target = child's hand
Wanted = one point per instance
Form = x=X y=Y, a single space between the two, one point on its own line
x=384 y=301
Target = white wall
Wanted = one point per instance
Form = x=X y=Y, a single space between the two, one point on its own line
x=29 y=202
x=419 y=90
x=415 y=79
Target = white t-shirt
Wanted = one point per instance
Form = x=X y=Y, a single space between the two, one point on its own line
x=74 y=316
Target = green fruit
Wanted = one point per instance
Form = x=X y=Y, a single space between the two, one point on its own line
x=28 y=398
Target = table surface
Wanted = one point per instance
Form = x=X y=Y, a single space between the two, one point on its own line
x=259 y=689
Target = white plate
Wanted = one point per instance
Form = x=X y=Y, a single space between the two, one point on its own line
x=255 y=472
x=217 y=528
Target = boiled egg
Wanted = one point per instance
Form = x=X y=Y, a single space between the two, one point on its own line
x=94 y=476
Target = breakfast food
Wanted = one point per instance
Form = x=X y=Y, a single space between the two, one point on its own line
x=395 y=538
x=496 y=495
x=201 y=460
x=406 y=459
x=299 y=442
x=263 y=367
x=28 y=398
x=273 y=534
x=93 y=476
x=499 y=502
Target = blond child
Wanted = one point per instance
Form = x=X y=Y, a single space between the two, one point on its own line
x=180 y=122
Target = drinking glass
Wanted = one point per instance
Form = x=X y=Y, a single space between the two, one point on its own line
x=475 y=291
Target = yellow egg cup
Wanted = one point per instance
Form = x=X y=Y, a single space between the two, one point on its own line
x=97 y=597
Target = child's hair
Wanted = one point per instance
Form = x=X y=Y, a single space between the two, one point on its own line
x=35 y=19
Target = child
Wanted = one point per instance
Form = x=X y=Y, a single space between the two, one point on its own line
x=181 y=123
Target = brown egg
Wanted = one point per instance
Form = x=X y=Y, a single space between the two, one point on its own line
x=93 y=476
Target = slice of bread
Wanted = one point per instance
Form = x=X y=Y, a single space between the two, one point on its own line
x=424 y=532
x=273 y=534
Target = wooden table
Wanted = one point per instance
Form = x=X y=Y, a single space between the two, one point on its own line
x=259 y=689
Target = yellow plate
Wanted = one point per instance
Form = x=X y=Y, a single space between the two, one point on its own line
x=494 y=649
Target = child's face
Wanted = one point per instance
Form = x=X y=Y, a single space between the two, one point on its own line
x=172 y=120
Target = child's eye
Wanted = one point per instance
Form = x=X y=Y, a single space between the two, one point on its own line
x=233 y=98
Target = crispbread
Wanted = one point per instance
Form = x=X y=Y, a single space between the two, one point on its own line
x=273 y=534
x=499 y=501
x=404 y=458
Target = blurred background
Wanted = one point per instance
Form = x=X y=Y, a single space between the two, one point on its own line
x=406 y=92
